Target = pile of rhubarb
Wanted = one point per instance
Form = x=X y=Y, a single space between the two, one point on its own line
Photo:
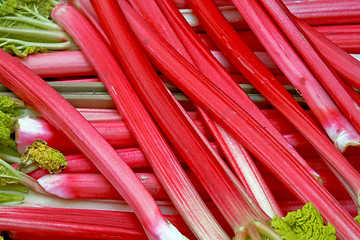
x=174 y=119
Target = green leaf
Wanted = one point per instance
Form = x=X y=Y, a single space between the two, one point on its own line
x=7 y=105
x=26 y=27
x=38 y=8
x=304 y=224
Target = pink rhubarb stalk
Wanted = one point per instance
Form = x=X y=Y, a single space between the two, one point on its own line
x=338 y=128
x=140 y=123
x=82 y=223
x=347 y=66
x=81 y=179
x=29 y=129
x=322 y=12
x=115 y=132
x=53 y=107
x=216 y=179
x=94 y=185
x=120 y=136
x=325 y=74
x=345 y=37
x=59 y=64
x=207 y=96
x=79 y=66
x=235 y=153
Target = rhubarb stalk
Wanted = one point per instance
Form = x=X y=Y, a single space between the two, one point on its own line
x=346 y=65
x=325 y=74
x=53 y=107
x=234 y=152
x=176 y=125
x=338 y=128
x=322 y=12
x=273 y=90
x=205 y=94
x=140 y=123
x=87 y=223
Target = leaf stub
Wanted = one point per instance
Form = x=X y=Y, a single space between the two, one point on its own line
x=43 y=156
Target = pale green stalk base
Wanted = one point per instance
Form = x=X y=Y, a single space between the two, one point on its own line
x=41 y=24
x=69 y=45
x=256 y=231
x=167 y=232
x=45 y=35
x=10 y=159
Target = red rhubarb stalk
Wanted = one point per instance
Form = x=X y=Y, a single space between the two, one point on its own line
x=94 y=185
x=140 y=123
x=53 y=107
x=325 y=74
x=78 y=163
x=216 y=179
x=204 y=94
x=59 y=64
x=238 y=157
x=120 y=136
x=338 y=128
x=312 y=12
x=344 y=36
x=346 y=65
x=115 y=132
x=87 y=223
x=29 y=129
x=273 y=90
x=81 y=179
x=56 y=64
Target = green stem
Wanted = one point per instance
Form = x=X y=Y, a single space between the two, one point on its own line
x=51 y=46
x=266 y=231
x=54 y=35
x=14 y=187
x=10 y=159
x=6 y=198
x=54 y=3
x=37 y=23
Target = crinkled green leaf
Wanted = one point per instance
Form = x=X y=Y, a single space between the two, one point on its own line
x=7 y=123
x=304 y=224
x=7 y=105
x=30 y=8
x=6 y=128
x=23 y=52
x=26 y=27
x=8 y=7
